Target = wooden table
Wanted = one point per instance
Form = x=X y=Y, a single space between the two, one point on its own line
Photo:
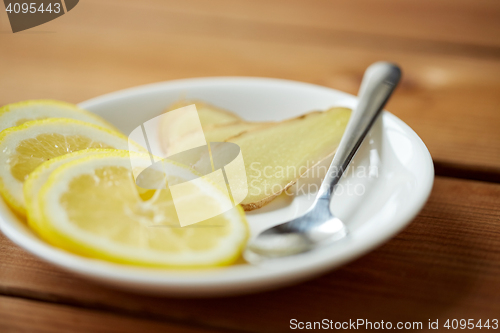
x=445 y=265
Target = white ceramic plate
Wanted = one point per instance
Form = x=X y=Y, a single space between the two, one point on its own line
x=392 y=180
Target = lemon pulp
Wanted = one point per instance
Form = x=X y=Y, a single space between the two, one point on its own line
x=32 y=152
x=24 y=148
x=128 y=219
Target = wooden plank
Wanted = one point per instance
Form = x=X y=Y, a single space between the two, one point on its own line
x=440 y=30
x=466 y=21
x=450 y=98
x=22 y=315
x=444 y=265
x=461 y=22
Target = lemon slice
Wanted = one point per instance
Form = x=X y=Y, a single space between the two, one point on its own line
x=16 y=114
x=24 y=147
x=40 y=175
x=92 y=206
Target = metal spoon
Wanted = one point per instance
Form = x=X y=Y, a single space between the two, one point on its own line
x=318 y=226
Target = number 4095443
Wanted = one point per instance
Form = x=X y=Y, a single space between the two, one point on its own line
x=471 y=324
x=32 y=8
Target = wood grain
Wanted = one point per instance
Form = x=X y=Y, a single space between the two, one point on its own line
x=444 y=265
x=21 y=315
x=464 y=21
x=449 y=94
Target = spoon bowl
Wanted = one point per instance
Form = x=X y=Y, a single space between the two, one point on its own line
x=317 y=226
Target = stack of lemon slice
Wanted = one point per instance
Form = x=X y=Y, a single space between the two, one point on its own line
x=68 y=172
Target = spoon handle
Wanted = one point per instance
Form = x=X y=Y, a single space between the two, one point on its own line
x=378 y=83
